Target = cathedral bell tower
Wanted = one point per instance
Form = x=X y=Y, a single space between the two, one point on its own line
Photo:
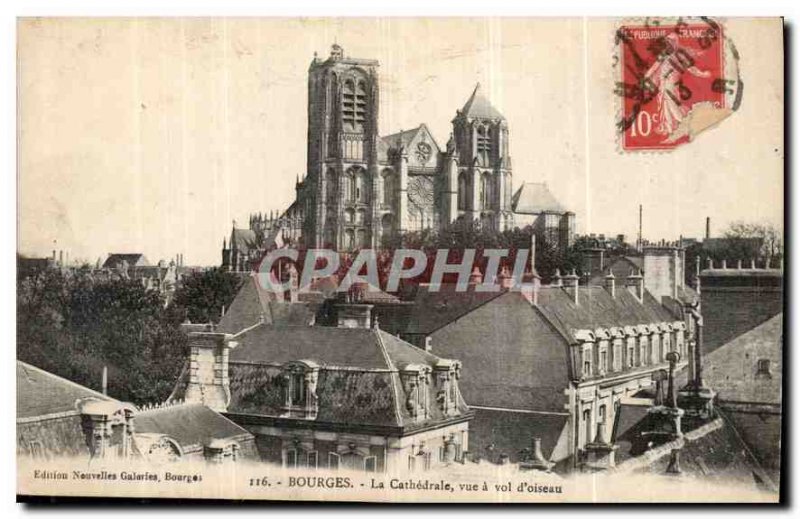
x=342 y=151
x=482 y=163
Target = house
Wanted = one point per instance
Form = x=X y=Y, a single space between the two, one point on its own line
x=551 y=362
x=349 y=396
x=59 y=418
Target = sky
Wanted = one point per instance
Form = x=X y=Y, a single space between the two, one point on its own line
x=153 y=135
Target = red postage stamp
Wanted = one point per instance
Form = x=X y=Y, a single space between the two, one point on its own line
x=673 y=83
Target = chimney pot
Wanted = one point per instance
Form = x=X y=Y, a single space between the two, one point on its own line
x=724 y=264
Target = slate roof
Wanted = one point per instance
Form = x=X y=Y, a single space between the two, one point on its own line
x=712 y=451
x=597 y=309
x=191 y=425
x=433 y=309
x=509 y=432
x=404 y=138
x=621 y=268
x=243 y=239
x=479 y=107
x=325 y=345
x=42 y=393
x=358 y=381
x=253 y=303
x=535 y=198
x=133 y=260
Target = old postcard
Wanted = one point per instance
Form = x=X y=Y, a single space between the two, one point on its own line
x=507 y=260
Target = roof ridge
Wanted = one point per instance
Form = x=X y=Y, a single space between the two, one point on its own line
x=25 y=365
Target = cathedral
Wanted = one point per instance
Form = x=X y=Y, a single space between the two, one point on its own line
x=361 y=189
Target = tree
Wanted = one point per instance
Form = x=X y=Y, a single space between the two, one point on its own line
x=201 y=296
x=73 y=324
x=771 y=238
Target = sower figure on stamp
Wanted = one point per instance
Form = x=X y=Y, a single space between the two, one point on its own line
x=665 y=74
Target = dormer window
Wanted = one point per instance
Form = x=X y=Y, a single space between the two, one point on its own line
x=447 y=372
x=300 y=395
x=415 y=379
x=587 y=361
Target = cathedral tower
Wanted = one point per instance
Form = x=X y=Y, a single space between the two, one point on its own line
x=478 y=155
x=340 y=190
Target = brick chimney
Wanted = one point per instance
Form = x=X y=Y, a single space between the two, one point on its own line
x=208 y=369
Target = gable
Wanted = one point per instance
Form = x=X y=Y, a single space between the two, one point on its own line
x=422 y=149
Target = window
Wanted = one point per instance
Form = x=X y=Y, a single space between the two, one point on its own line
x=587 y=361
x=643 y=351
x=763 y=368
x=617 y=354
x=313 y=459
x=462 y=191
x=354 y=105
x=412 y=462
x=603 y=362
x=297 y=389
x=291 y=459
x=333 y=461
x=370 y=464
x=484 y=144
x=587 y=426
x=631 y=352
x=388 y=188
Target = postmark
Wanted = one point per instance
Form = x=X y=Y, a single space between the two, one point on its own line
x=677 y=78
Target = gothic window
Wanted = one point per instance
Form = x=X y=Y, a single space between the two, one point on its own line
x=388 y=187
x=362 y=238
x=361 y=216
x=354 y=105
x=486 y=191
x=462 y=191
x=349 y=215
x=387 y=224
x=361 y=192
x=484 y=144
x=348 y=186
x=349 y=239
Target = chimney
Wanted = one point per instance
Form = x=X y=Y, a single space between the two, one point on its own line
x=105 y=380
x=663 y=270
x=611 y=284
x=708 y=227
x=571 y=284
x=476 y=278
x=635 y=284
x=530 y=287
x=557 y=280
x=60 y=258
x=353 y=315
x=208 y=369
x=504 y=279
x=724 y=264
x=537 y=460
